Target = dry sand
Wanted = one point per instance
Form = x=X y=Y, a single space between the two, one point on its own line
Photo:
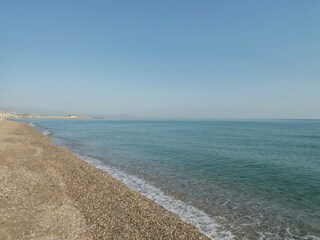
x=46 y=192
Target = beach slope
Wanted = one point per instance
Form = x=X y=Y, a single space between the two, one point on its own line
x=46 y=192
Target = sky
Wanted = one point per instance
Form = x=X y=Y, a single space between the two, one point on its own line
x=161 y=59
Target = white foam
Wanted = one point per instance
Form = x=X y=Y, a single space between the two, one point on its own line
x=306 y=237
x=46 y=132
x=186 y=212
x=31 y=124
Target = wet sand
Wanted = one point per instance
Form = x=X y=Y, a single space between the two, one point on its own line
x=46 y=192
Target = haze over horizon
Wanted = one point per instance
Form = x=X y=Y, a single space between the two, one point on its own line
x=167 y=59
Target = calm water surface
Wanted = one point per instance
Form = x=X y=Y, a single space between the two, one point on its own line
x=256 y=179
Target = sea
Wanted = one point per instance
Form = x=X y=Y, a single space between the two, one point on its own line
x=231 y=179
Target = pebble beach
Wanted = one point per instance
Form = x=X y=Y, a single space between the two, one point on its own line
x=46 y=192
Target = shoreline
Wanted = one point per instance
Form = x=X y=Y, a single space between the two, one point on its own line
x=185 y=211
x=54 y=193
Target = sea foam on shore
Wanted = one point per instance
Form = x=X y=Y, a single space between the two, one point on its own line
x=216 y=167
x=99 y=205
x=31 y=124
x=188 y=213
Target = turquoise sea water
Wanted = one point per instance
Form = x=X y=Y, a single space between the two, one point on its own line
x=248 y=179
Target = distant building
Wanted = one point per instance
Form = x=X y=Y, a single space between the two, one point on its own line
x=6 y=114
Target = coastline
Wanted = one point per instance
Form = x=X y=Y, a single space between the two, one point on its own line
x=48 y=192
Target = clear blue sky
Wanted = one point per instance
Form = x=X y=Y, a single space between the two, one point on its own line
x=162 y=59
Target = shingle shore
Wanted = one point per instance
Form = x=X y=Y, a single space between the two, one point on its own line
x=46 y=192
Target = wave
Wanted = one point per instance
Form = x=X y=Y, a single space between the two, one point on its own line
x=46 y=132
x=31 y=124
x=186 y=212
